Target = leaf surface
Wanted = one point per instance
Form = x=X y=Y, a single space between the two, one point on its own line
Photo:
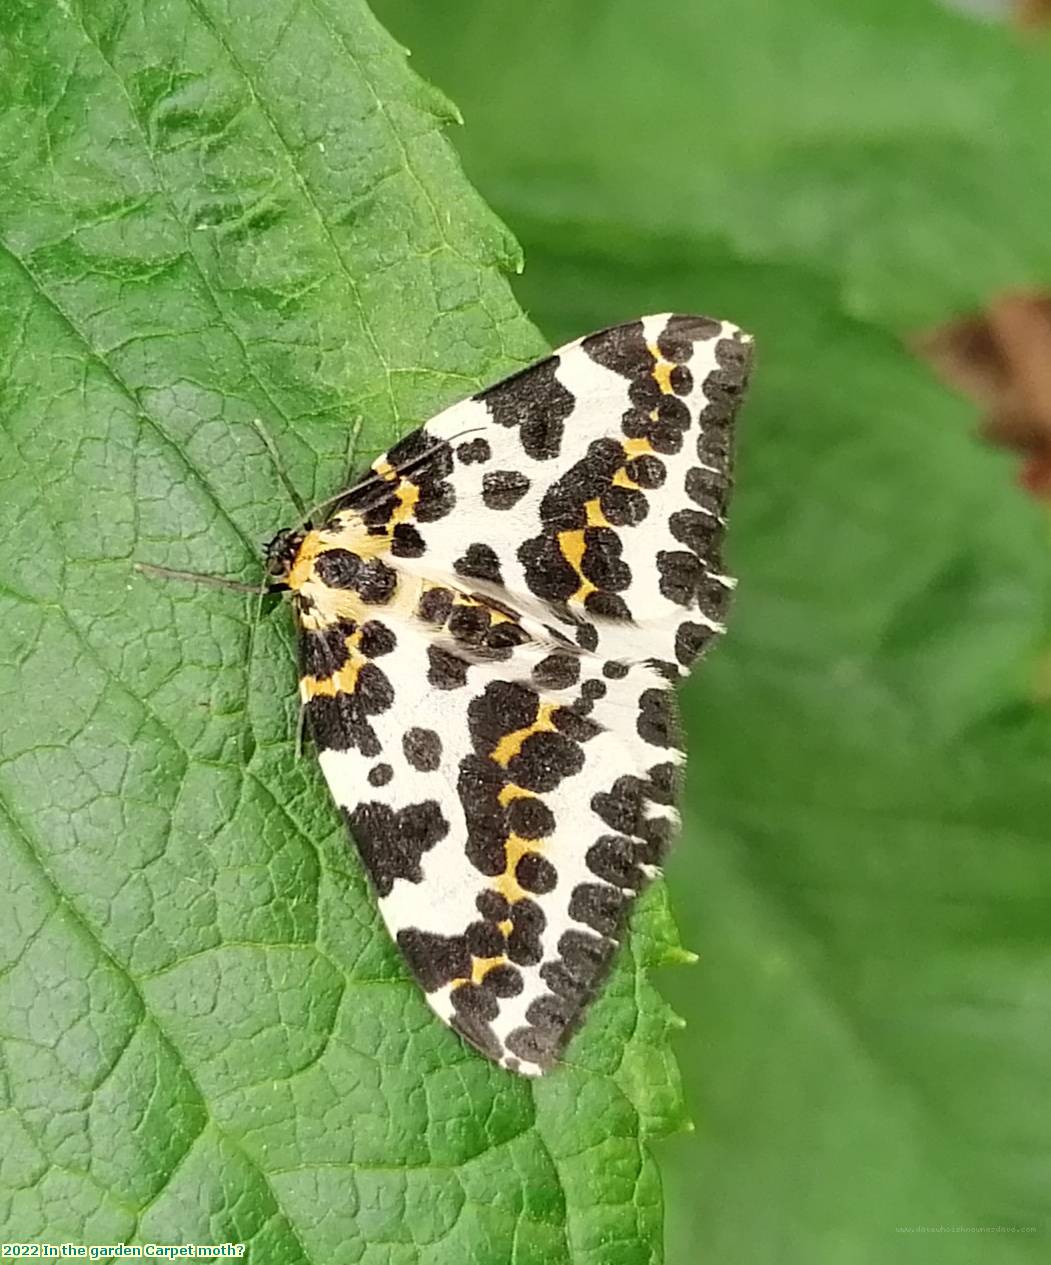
x=219 y=214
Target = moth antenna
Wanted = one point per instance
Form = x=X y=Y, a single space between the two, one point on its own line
x=275 y=461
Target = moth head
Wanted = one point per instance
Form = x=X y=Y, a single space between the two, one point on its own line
x=281 y=553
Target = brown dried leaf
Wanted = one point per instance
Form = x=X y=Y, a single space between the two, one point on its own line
x=1001 y=358
x=1032 y=14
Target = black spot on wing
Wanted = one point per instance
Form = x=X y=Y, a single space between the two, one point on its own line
x=665 y=668
x=341 y=722
x=422 y=455
x=615 y=859
x=623 y=507
x=530 y=818
x=557 y=671
x=679 y=576
x=536 y=1045
x=376 y=639
x=480 y=628
x=504 y=980
x=479 y=785
x=691 y=640
x=406 y=542
x=338 y=568
x=477 y=1031
x=587 y=636
x=657 y=722
x=436 y=500
x=503 y=489
x=501 y=639
x=707 y=488
x=504 y=708
x=675 y=341
x=580 y=967
x=422 y=748
x=585 y=956
x=535 y=873
x=723 y=389
x=475 y=1002
x=534 y=402
x=681 y=380
x=623 y=806
x=469 y=624
x=548 y=574
x=646 y=470
x=602 y=562
x=621 y=348
x=373 y=692
x=569 y=721
x=714 y=595
x=474 y=451
x=626 y=808
x=549 y=1013
x=598 y=906
x=484 y=940
x=434 y=959
x=550 y=571
x=562 y=506
x=435 y=605
x=492 y=905
x=425 y=462
x=524 y=944
x=446 y=671
x=337 y=724
x=698 y=531
x=375 y=582
x=665 y=782
x=479 y=562
x=324 y=651
x=545 y=759
x=607 y=605
x=392 y=842
x=655 y=415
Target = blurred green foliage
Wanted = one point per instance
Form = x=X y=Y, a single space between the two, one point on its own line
x=866 y=867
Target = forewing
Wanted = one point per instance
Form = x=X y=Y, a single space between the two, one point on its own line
x=508 y=806
x=590 y=489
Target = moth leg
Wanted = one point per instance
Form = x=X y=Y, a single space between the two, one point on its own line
x=301 y=723
x=214 y=581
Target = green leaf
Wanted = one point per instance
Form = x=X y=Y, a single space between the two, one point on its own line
x=218 y=211
x=865 y=865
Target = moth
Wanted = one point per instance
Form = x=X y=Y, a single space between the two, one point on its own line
x=491 y=625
